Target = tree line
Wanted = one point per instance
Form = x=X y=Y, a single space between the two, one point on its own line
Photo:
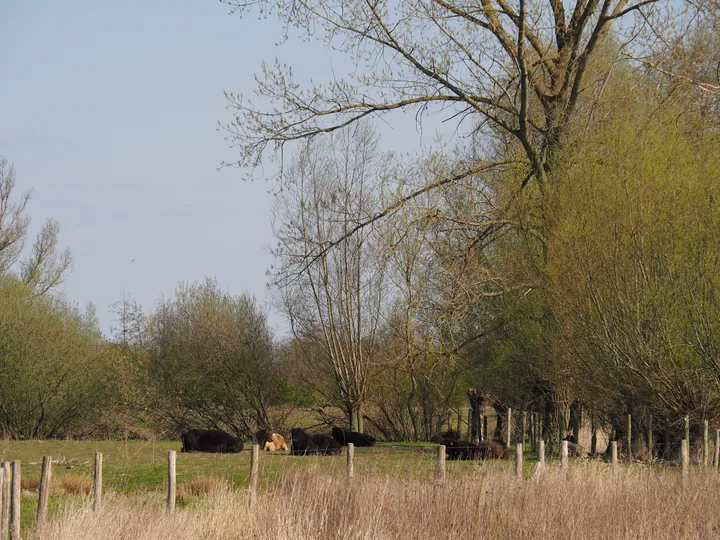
x=561 y=254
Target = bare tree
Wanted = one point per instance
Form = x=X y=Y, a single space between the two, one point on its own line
x=45 y=267
x=517 y=68
x=332 y=298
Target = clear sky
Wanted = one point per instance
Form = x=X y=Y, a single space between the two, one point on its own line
x=109 y=112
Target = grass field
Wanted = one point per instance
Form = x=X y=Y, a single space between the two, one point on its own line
x=135 y=476
x=141 y=466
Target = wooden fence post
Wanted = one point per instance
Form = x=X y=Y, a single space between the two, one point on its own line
x=519 y=460
x=172 y=480
x=44 y=490
x=469 y=424
x=540 y=465
x=459 y=420
x=629 y=437
x=350 y=460
x=484 y=427
x=440 y=470
x=687 y=428
x=564 y=455
x=524 y=428
x=254 y=459
x=509 y=427
x=706 y=445
x=97 y=483
x=5 y=508
x=716 y=461
x=685 y=460
x=613 y=456
x=15 y=502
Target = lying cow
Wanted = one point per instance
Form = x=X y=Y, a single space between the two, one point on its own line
x=276 y=443
x=345 y=436
x=269 y=446
x=311 y=444
x=482 y=450
x=210 y=440
x=445 y=438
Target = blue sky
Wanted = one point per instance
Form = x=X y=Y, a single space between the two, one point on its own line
x=109 y=112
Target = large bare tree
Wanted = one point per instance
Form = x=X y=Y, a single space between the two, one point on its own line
x=513 y=67
x=332 y=298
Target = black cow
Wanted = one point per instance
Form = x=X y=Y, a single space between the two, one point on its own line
x=304 y=444
x=262 y=436
x=210 y=440
x=482 y=450
x=344 y=436
x=445 y=437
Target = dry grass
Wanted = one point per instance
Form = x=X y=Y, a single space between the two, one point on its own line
x=316 y=504
x=201 y=485
x=69 y=484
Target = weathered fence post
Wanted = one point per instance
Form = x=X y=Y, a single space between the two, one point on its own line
x=687 y=428
x=44 y=490
x=564 y=455
x=540 y=465
x=254 y=463
x=5 y=508
x=716 y=461
x=509 y=427
x=484 y=436
x=706 y=445
x=172 y=480
x=613 y=456
x=524 y=427
x=350 y=460
x=15 y=502
x=629 y=437
x=519 y=460
x=459 y=420
x=685 y=460
x=97 y=482
x=440 y=469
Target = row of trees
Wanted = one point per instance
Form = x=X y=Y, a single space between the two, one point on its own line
x=559 y=257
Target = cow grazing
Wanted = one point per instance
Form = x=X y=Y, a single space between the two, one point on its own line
x=345 y=436
x=210 y=440
x=311 y=444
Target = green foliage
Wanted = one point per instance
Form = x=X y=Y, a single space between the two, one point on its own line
x=54 y=368
x=634 y=262
x=211 y=362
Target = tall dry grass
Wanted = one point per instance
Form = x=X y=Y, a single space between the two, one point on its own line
x=589 y=503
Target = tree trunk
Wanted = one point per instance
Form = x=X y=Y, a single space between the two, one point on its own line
x=476 y=403
x=575 y=421
x=500 y=411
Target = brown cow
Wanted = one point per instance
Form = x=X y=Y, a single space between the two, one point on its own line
x=279 y=442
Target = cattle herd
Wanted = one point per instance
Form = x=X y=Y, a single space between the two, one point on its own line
x=318 y=444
